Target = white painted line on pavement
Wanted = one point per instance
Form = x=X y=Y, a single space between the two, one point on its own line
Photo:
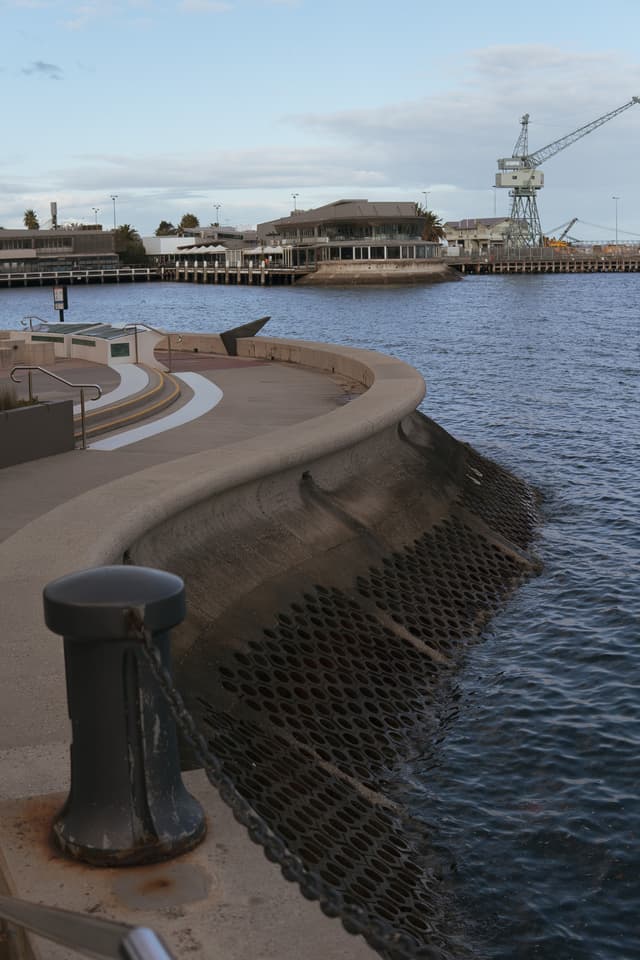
x=206 y=395
x=133 y=379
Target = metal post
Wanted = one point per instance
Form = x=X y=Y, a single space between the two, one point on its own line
x=127 y=803
x=30 y=377
x=82 y=420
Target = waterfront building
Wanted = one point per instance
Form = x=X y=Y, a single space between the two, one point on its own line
x=475 y=235
x=66 y=248
x=350 y=230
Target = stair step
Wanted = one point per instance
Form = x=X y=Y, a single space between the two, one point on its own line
x=163 y=391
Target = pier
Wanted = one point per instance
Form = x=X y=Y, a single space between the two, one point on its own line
x=531 y=261
x=47 y=278
x=547 y=260
x=202 y=272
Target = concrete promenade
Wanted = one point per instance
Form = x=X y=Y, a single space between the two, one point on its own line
x=84 y=508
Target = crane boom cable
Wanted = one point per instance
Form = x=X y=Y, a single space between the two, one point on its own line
x=599 y=226
x=544 y=153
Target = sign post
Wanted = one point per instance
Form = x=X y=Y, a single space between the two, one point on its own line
x=60 y=302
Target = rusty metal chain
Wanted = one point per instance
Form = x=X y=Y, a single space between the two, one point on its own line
x=377 y=932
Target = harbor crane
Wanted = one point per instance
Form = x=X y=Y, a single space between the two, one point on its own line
x=520 y=174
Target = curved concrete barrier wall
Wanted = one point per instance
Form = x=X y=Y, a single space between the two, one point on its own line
x=156 y=503
x=336 y=571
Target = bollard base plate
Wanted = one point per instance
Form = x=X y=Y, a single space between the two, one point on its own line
x=156 y=850
x=223 y=899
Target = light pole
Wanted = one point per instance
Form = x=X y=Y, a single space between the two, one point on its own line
x=616 y=200
x=96 y=210
x=217 y=206
x=295 y=197
x=114 y=197
x=425 y=194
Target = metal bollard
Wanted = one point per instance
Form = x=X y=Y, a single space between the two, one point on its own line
x=127 y=803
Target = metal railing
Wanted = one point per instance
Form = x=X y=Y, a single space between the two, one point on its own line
x=162 y=333
x=92 y=936
x=31 y=319
x=76 y=386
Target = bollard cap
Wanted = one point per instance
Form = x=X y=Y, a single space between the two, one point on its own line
x=93 y=604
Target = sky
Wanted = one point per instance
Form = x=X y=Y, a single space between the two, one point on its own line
x=241 y=110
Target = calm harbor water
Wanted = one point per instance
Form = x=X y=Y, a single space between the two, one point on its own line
x=532 y=794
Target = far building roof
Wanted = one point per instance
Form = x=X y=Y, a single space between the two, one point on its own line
x=351 y=210
x=343 y=211
x=472 y=223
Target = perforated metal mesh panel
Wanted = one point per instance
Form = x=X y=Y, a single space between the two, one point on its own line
x=328 y=699
x=355 y=844
x=503 y=501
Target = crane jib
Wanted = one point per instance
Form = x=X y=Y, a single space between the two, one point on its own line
x=519 y=173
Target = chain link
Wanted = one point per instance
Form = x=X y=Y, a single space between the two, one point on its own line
x=377 y=932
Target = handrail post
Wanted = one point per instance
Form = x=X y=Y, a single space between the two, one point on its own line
x=77 y=386
x=83 y=426
x=127 y=803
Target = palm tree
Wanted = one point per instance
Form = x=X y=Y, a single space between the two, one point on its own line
x=31 y=220
x=165 y=229
x=128 y=245
x=433 y=230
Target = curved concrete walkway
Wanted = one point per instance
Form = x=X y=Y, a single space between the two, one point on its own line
x=85 y=508
x=206 y=396
x=133 y=379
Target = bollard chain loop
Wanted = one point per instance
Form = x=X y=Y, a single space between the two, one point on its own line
x=378 y=933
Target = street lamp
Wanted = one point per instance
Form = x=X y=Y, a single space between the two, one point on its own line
x=616 y=200
x=114 y=197
x=96 y=210
x=425 y=194
x=217 y=206
x=295 y=197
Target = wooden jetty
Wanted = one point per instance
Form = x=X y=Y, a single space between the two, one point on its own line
x=526 y=262
x=543 y=260
x=202 y=272
x=49 y=278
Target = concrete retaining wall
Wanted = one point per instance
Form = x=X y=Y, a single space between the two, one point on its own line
x=193 y=343
x=18 y=351
x=31 y=432
x=153 y=507
x=380 y=271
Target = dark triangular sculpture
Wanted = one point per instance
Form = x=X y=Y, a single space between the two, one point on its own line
x=230 y=337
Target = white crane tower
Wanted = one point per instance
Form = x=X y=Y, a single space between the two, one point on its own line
x=520 y=174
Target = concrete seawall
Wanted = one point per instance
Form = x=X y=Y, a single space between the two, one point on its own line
x=362 y=272
x=336 y=571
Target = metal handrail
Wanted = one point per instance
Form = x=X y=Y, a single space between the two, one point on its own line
x=92 y=936
x=79 y=386
x=162 y=333
x=31 y=319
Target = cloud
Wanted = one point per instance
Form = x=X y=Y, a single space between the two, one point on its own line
x=84 y=15
x=265 y=168
x=456 y=136
x=33 y=4
x=40 y=68
x=205 y=6
x=446 y=143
